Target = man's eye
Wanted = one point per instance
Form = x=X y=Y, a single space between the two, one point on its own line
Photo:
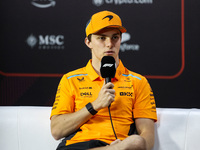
x=115 y=37
x=102 y=38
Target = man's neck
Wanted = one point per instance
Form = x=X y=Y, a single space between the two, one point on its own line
x=96 y=65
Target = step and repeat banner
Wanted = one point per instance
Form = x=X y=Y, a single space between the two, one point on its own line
x=43 y=39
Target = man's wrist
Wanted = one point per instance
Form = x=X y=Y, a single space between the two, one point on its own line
x=91 y=109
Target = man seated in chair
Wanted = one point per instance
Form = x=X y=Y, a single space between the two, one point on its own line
x=80 y=112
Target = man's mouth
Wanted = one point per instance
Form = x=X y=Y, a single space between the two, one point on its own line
x=109 y=52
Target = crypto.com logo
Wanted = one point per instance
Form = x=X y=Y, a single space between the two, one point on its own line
x=120 y=2
x=98 y=2
x=43 y=3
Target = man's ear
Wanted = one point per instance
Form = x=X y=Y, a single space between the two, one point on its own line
x=88 y=42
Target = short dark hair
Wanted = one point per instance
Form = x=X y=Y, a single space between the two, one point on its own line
x=89 y=37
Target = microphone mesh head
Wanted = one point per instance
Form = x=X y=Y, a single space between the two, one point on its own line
x=108 y=67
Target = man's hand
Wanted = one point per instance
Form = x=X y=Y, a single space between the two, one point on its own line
x=105 y=98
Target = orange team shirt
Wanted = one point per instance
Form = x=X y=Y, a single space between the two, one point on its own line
x=134 y=99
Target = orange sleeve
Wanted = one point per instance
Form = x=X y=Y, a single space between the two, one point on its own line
x=64 y=100
x=144 y=106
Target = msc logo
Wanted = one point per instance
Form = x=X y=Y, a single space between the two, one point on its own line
x=51 y=39
x=126 y=94
x=46 y=41
x=31 y=41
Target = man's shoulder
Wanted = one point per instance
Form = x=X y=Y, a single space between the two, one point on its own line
x=134 y=74
x=77 y=72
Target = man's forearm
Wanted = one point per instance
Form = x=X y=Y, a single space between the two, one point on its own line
x=145 y=128
x=65 y=124
x=149 y=139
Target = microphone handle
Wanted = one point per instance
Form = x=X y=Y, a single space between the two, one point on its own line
x=108 y=79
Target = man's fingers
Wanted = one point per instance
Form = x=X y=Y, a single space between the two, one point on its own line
x=109 y=85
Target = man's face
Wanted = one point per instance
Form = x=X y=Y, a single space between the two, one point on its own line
x=105 y=43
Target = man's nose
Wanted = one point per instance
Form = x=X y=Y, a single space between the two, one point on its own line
x=109 y=42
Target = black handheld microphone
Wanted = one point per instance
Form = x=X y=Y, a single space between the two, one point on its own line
x=108 y=68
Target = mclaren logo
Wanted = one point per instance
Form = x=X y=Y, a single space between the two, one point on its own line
x=43 y=3
x=109 y=16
